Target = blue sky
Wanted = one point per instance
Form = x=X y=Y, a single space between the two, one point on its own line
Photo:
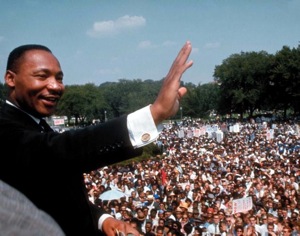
x=98 y=41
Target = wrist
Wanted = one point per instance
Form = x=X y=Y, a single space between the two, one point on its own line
x=102 y=219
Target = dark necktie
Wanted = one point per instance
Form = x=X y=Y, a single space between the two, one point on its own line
x=45 y=125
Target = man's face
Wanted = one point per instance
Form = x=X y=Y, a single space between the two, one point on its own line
x=37 y=84
x=216 y=219
x=252 y=221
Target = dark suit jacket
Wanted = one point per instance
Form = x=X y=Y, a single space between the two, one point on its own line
x=48 y=167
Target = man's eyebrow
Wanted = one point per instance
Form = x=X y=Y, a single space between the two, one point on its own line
x=45 y=70
x=60 y=73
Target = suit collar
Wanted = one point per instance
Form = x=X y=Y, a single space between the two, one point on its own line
x=37 y=120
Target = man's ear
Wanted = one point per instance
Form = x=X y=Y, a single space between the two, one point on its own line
x=10 y=78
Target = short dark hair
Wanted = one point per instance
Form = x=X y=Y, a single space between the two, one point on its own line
x=16 y=54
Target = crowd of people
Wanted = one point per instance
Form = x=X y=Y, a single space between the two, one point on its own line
x=188 y=189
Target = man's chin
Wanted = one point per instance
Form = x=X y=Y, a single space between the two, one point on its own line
x=47 y=112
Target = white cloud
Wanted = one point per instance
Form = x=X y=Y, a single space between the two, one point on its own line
x=195 y=50
x=113 y=27
x=212 y=45
x=146 y=44
x=169 y=43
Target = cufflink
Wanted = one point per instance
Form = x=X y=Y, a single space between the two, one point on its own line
x=145 y=137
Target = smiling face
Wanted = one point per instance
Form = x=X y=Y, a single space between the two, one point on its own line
x=36 y=84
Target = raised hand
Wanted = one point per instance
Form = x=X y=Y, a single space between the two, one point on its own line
x=167 y=101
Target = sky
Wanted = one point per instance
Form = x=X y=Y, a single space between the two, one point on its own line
x=98 y=41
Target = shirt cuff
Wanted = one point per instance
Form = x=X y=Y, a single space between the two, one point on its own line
x=102 y=219
x=141 y=127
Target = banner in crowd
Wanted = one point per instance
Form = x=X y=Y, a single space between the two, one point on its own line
x=181 y=133
x=234 y=128
x=270 y=134
x=242 y=205
x=58 y=121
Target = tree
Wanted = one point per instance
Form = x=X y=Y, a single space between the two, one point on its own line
x=116 y=96
x=242 y=78
x=127 y=96
x=201 y=100
x=285 y=79
x=84 y=103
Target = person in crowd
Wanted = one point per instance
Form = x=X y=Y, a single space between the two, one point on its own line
x=197 y=231
x=295 y=229
x=47 y=166
x=271 y=219
x=214 y=228
x=176 y=226
x=223 y=228
x=253 y=225
x=148 y=228
x=270 y=228
x=239 y=230
x=160 y=231
x=187 y=229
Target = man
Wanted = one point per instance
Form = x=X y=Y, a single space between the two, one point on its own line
x=223 y=228
x=46 y=166
x=148 y=228
x=270 y=228
x=270 y=220
x=253 y=225
x=214 y=228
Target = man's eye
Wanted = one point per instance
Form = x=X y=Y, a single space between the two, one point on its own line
x=41 y=76
x=60 y=78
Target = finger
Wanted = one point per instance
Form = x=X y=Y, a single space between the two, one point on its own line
x=179 y=64
x=182 y=91
x=184 y=53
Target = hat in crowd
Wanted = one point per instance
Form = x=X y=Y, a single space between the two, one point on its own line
x=178 y=209
x=150 y=197
x=183 y=205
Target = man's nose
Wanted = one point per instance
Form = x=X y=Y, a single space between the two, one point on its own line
x=54 y=84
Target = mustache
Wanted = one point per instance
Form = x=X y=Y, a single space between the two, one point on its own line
x=53 y=95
